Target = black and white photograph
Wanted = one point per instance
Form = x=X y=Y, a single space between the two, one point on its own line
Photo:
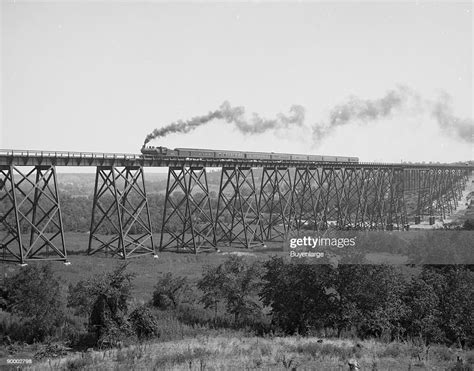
x=236 y=185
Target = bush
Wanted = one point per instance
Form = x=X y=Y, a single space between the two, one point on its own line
x=468 y=224
x=115 y=333
x=104 y=299
x=144 y=322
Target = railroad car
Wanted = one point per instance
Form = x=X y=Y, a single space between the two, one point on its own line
x=231 y=155
x=300 y=157
x=257 y=155
x=315 y=158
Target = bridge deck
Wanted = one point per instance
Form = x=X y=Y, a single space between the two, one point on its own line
x=65 y=158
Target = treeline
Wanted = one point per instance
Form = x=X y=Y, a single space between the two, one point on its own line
x=271 y=297
x=77 y=212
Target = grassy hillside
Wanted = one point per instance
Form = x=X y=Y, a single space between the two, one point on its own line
x=234 y=351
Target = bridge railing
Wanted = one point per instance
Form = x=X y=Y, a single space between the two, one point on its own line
x=26 y=155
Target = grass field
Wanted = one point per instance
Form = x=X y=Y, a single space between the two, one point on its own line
x=390 y=248
x=146 y=268
x=234 y=351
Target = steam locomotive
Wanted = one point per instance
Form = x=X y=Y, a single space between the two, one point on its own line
x=231 y=155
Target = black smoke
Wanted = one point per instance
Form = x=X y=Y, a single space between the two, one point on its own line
x=235 y=116
x=402 y=98
x=461 y=128
x=364 y=110
x=353 y=110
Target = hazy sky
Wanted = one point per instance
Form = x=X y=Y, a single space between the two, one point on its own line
x=99 y=76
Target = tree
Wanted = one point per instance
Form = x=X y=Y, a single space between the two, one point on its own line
x=422 y=317
x=454 y=286
x=34 y=294
x=368 y=297
x=235 y=283
x=170 y=291
x=104 y=299
x=299 y=295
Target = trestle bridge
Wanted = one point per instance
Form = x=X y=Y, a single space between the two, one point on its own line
x=257 y=201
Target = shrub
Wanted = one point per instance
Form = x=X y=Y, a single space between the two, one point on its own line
x=104 y=299
x=144 y=322
x=115 y=333
x=468 y=224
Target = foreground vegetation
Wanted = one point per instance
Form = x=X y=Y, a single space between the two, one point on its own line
x=247 y=312
x=232 y=350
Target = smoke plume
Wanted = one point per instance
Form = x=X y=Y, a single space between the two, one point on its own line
x=462 y=128
x=396 y=100
x=364 y=110
x=235 y=116
x=354 y=110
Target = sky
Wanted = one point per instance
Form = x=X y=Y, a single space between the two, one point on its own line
x=100 y=76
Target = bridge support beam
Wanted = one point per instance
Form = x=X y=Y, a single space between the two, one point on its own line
x=348 y=198
x=120 y=222
x=304 y=200
x=439 y=191
x=238 y=213
x=381 y=199
x=30 y=215
x=396 y=216
x=276 y=203
x=187 y=217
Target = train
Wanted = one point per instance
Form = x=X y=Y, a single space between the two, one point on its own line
x=239 y=155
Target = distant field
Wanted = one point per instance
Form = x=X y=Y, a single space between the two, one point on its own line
x=385 y=247
x=147 y=269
